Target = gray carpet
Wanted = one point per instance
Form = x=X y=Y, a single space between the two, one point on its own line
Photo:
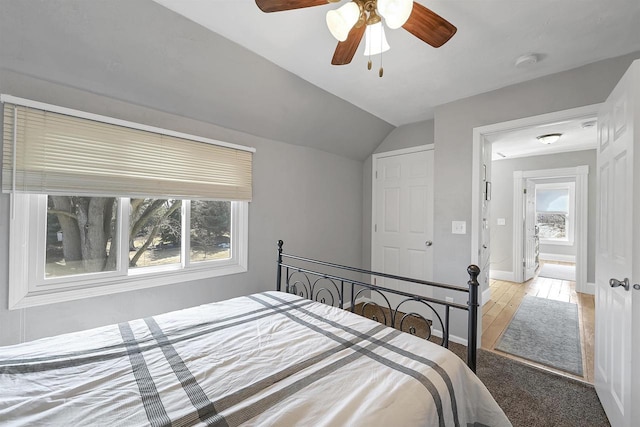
x=558 y=271
x=545 y=331
x=532 y=397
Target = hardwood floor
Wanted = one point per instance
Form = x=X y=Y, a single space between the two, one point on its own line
x=506 y=298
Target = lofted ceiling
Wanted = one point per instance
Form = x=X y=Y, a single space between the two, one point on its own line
x=480 y=57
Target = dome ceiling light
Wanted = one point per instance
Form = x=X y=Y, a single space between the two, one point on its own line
x=549 y=138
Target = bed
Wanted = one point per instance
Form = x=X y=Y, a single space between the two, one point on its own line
x=271 y=358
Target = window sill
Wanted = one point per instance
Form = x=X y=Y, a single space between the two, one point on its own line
x=23 y=298
x=557 y=242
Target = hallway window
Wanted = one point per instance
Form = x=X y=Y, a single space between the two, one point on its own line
x=555 y=212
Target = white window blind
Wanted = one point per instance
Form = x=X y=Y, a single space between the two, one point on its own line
x=47 y=152
x=552 y=200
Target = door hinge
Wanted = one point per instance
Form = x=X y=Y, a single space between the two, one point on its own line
x=525 y=191
x=376 y=174
x=375 y=228
x=375 y=281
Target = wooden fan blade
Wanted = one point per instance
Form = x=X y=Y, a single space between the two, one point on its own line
x=346 y=49
x=280 y=5
x=428 y=26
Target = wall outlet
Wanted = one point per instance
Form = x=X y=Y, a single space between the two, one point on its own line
x=459 y=227
x=502 y=221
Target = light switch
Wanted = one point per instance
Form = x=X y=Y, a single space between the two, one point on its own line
x=459 y=227
x=502 y=221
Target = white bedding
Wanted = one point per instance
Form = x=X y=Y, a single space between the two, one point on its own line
x=266 y=359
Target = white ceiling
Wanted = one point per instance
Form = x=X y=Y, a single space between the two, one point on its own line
x=523 y=142
x=491 y=35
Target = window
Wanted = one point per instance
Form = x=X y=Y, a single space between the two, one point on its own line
x=555 y=212
x=88 y=228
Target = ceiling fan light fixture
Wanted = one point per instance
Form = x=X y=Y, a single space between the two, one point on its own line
x=375 y=40
x=549 y=138
x=342 y=20
x=395 y=12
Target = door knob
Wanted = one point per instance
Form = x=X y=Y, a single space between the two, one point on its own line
x=484 y=246
x=428 y=243
x=614 y=283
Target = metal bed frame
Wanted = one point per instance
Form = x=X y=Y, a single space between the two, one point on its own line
x=319 y=286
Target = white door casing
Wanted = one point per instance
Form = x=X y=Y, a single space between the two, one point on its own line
x=484 y=260
x=402 y=218
x=530 y=235
x=617 y=338
x=480 y=139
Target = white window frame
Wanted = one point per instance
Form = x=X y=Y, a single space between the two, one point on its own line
x=28 y=288
x=571 y=217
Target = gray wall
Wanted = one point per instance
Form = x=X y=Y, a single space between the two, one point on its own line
x=143 y=53
x=502 y=205
x=453 y=138
x=295 y=193
x=172 y=73
x=454 y=124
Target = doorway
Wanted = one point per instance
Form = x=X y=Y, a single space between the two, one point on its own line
x=508 y=289
x=481 y=174
x=572 y=242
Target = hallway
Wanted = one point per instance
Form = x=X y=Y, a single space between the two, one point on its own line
x=506 y=298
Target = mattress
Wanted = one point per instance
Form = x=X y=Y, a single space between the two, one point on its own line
x=270 y=358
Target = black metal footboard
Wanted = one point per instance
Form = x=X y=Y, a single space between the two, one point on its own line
x=389 y=306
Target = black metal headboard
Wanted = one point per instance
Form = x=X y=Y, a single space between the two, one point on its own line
x=330 y=288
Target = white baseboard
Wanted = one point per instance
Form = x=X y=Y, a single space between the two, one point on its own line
x=452 y=338
x=558 y=257
x=590 y=289
x=486 y=296
x=501 y=275
x=360 y=299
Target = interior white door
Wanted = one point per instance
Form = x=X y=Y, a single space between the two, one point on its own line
x=530 y=236
x=402 y=242
x=617 y=339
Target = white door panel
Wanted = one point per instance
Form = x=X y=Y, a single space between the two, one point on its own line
x=403 y=219
x=617 y=378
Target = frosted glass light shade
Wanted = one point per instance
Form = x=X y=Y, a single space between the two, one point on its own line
x=395 y=12
x=549 y=138
x=375 y=40
x=342 y=20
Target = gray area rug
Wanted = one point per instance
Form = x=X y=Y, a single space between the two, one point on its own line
x=545 y=331
x=558 y=271
x=532 y=397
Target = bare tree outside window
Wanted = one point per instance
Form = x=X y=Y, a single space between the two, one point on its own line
x=210 y=230
x=80 y=233
x=155 y=232
x=552 y=225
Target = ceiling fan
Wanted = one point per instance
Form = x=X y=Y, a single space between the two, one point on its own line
x=349 y=22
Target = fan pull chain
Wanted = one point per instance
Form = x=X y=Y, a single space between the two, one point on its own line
x=369 y=62
x=381 y=71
